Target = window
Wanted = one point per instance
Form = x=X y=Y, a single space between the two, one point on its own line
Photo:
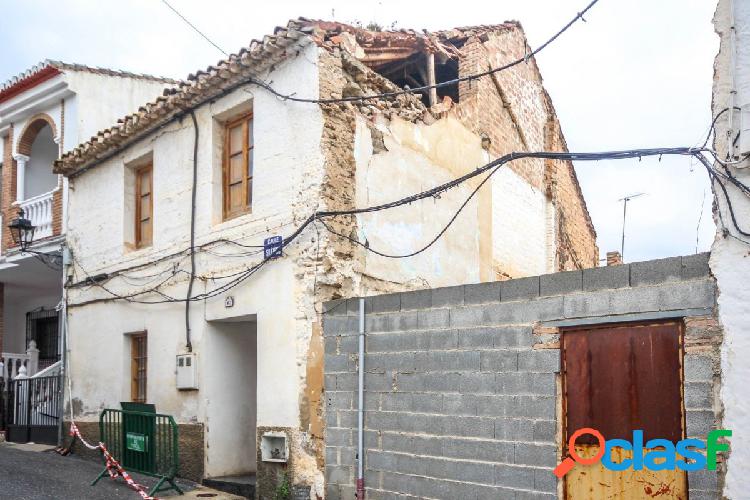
x=138 y=371
x=237 y=168
x=144 y=206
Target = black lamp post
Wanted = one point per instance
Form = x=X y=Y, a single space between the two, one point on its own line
x=22 y=231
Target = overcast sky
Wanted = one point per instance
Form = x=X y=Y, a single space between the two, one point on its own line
x=637 y=74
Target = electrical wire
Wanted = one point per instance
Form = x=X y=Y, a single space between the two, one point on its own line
x=433 y=241
x=193 y=199
x=195 y=28
x=396 y=93
x=435 y=192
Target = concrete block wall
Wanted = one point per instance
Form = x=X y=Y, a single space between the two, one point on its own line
x=462 y=389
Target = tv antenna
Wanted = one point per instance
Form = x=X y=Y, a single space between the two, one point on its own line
x=625 y=201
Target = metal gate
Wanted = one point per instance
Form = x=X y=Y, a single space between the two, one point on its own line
x=33 y=410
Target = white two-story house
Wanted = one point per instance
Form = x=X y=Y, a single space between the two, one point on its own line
x=169 y=209
x=45 y=112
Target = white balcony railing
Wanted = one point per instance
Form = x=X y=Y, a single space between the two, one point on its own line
x=39 y=211
x=14 y=364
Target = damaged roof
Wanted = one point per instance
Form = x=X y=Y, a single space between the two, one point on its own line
x=373 y=48
x=50 y=68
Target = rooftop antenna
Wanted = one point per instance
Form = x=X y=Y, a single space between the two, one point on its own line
x=625 y=201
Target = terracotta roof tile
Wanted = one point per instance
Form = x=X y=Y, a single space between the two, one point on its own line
x=63 y=66
x=204 y=85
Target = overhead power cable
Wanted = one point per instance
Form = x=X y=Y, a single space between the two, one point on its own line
x=492 y=167
x=202 y=35
x=396 y=93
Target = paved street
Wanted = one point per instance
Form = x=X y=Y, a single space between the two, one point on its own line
x=45 y=475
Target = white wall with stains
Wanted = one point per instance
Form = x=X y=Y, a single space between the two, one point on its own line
x=730 y=257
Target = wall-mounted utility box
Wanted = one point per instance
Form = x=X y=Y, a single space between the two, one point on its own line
x=187 y=371
x=273 y=447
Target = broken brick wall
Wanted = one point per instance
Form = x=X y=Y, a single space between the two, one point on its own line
x=514 y=111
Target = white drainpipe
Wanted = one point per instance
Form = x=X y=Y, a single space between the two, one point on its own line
x=361 y=404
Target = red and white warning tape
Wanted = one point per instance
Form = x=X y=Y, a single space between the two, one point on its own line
x=114 y=469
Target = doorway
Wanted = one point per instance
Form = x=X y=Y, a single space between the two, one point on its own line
x=42 y=326
x=618 y=379
x=231 y=398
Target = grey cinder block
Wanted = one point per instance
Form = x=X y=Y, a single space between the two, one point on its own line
x=699 y=395
x=453 y=361
x=699 y=422
x=338 y=363
x=481 y=293
x=545 y=430
x=427 y=403
x=513 y=476
x=433 y=318
x=499 y=361
x=545 y=481
x=695 y=266
x=390 y=302
x=541 y=360
x=332 y=456
x=335 y=307
x=543 y=455
x=519 y=289
x=655 y=271
x=532 y=407
x=514 y=429
x=338 y=437
x=418 y=299
x=472 y=449
x=448 y=296
x=706 y=480
x=698 y=368
x=560 y=283
x=337 y=325
x=608 y=277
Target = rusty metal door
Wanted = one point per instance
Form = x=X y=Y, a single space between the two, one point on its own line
x=617 y=379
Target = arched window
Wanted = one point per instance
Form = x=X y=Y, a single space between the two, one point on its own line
x=39 y=178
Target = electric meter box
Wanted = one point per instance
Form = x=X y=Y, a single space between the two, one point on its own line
x=274 y=447
x=187 y=371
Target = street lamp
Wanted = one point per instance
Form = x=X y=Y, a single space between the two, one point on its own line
x=22 y=231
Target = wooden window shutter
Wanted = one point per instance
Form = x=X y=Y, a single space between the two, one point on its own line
x=138 y=367
x=237 y=171
x=144 y=206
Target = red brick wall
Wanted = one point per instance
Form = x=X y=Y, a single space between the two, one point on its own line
x=7 y=190
x=514 y=111
x=57 y=201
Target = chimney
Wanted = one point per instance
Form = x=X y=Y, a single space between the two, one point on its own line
x=614 y=258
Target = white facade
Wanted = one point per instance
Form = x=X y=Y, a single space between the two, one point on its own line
x=254 y=355
x=263 y=317
x=70 y=106
x=729 y=253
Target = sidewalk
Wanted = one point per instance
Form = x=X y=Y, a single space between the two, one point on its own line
x=34 y=472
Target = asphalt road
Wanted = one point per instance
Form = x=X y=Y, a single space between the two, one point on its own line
x=34 y=475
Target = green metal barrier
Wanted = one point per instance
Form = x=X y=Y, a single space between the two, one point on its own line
x=142 y=441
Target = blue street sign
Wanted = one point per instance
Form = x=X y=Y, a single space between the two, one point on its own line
x=272 y=247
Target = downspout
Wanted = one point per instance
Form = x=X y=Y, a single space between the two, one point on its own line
x=188 y=343
x=361 y=403
x=63 y=328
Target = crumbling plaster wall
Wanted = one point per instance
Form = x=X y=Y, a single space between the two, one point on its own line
x=288 y=175
x=730 y=257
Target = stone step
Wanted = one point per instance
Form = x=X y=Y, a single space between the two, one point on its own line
x=243 y=485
